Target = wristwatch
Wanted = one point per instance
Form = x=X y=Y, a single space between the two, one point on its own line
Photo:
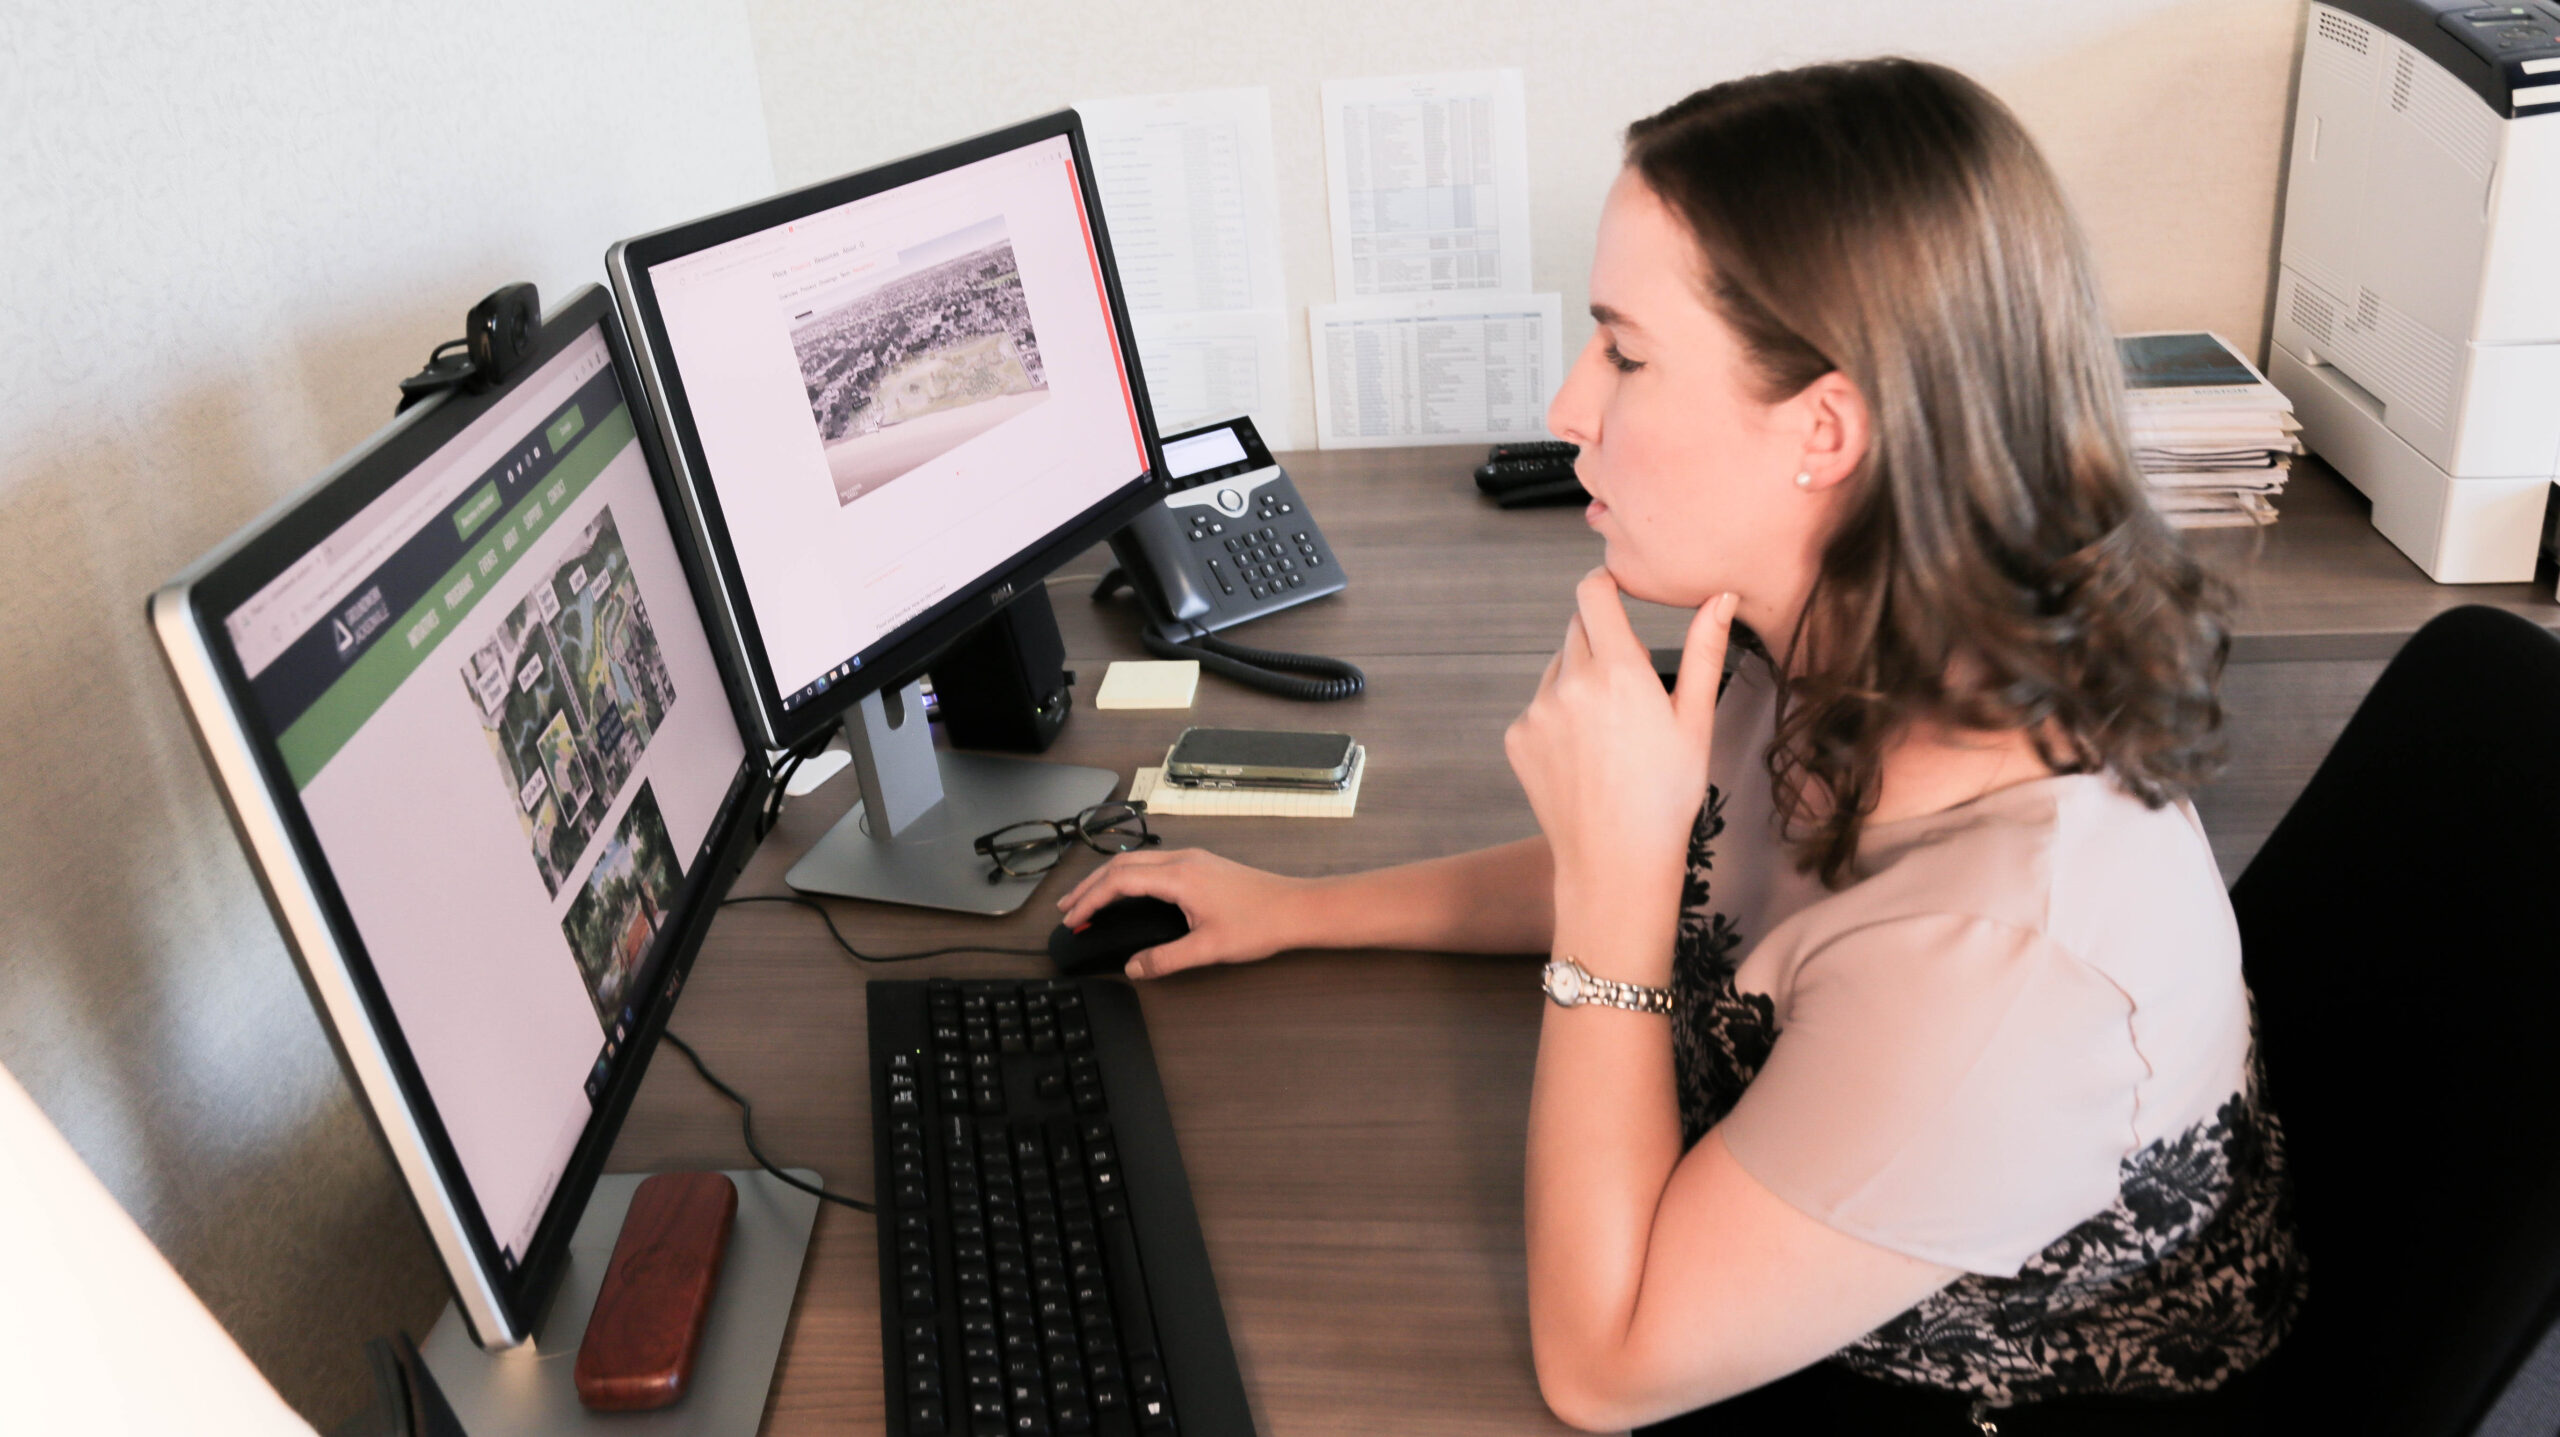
x=1571 y=985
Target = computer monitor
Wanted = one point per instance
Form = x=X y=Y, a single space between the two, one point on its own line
x=893 y=401
x=459 y=699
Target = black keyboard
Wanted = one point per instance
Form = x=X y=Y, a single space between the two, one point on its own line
x=1041 y=1268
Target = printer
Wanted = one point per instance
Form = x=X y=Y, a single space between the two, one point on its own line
x=2417 y=311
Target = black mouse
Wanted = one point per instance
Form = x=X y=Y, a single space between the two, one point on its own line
x=1116 y=930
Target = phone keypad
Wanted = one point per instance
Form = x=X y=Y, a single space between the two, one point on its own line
x=1262 y=547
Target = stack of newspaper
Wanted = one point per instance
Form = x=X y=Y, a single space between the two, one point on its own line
x=2215 y=440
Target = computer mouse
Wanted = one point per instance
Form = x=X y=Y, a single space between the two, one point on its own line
x=1116 y=930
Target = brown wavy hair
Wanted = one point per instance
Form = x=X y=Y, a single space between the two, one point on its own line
x=1996 y=564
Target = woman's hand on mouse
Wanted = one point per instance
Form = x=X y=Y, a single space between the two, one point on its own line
x=1237 y=914
x=1614 y=768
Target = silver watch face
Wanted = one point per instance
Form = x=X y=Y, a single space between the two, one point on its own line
x=1564 y=984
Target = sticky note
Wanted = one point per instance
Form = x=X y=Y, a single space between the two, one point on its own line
x=1149 y=684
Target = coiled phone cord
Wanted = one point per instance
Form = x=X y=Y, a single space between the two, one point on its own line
x=1262 y=668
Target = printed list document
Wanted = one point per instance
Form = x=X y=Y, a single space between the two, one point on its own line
x=1435 y=369
x=1189 y=193
x=1428 y=182
x=1204 y=367
x=1188 y=190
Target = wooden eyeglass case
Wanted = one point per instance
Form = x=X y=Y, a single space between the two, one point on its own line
x=647 y=1327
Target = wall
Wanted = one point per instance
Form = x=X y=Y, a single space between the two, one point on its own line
x=2165 y=118
x=228 y=230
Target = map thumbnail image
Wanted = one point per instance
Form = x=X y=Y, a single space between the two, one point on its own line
x=921 y=362
x=623 y=905
x=571 y=689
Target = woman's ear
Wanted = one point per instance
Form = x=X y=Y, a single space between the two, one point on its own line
x=1836 y=429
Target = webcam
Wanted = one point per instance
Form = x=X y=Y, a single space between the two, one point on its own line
x=497 y=336
x=499 y=333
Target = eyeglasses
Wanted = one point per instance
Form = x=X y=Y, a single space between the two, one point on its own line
x=1026 y=850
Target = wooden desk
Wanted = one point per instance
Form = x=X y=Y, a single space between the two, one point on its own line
x=1352 y=1122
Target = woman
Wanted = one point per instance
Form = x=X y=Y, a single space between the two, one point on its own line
x=1951 y=1113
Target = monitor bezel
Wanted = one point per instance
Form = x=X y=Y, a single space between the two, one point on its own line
x=908 y=650
x=502 y=1307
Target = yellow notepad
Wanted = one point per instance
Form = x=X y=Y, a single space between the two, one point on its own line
x=1159 y=796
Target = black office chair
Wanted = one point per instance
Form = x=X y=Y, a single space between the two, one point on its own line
x=2401 y=929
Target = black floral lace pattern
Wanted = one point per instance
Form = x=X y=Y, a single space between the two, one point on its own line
x=2191 y=1276
x=1719 y=1035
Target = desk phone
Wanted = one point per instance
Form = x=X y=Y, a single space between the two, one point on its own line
x=1230 y=541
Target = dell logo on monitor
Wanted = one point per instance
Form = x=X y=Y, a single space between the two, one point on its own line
x=1000 y=595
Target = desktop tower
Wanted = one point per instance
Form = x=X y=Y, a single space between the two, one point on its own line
x=2417 y=306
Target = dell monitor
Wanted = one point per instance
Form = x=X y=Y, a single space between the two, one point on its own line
x=892 y=402
x=459 y=699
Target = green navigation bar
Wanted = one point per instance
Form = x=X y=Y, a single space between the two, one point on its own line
x=476 y=510
x=325 y=727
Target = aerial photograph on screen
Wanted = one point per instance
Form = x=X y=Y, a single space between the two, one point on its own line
x=623 y=904
x=571 y=689
x=903 y=369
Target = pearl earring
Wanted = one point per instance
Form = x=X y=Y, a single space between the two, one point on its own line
x=1804 y=478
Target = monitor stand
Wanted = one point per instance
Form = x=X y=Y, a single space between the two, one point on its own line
x=532 y=1389
x=910 y=840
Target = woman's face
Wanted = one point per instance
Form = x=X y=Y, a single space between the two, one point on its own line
x=1692 y=475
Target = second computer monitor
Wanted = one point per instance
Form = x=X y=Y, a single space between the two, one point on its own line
x=893 y=401
x=891 y=394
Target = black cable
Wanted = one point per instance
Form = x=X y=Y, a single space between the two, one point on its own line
x=820 y=909
x=1269 y=670
x=747 y=1129
x=780 y=776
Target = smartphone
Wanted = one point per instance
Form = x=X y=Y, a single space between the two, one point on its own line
x=1258 y=758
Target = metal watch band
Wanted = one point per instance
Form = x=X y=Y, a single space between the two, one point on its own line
x=1579 y=985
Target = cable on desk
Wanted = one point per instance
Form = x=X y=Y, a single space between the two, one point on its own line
x=747 y=1129
x=820 y=909
x=781 y=775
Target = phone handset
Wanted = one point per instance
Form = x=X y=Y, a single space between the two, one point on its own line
x=1173 y=630
x=1232 y=542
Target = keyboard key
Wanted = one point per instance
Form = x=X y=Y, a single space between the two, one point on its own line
x=924 y=1417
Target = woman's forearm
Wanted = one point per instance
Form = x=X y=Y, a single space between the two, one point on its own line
x=1492 y=900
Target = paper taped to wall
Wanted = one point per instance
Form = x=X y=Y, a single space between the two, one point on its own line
x=1435 y=369
x=1188 y=190
x=1194 y=212
x=1428 y=182
x=1204 y=367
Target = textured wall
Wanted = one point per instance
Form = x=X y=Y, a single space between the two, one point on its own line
x=225 y=232
x=2166 y=118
